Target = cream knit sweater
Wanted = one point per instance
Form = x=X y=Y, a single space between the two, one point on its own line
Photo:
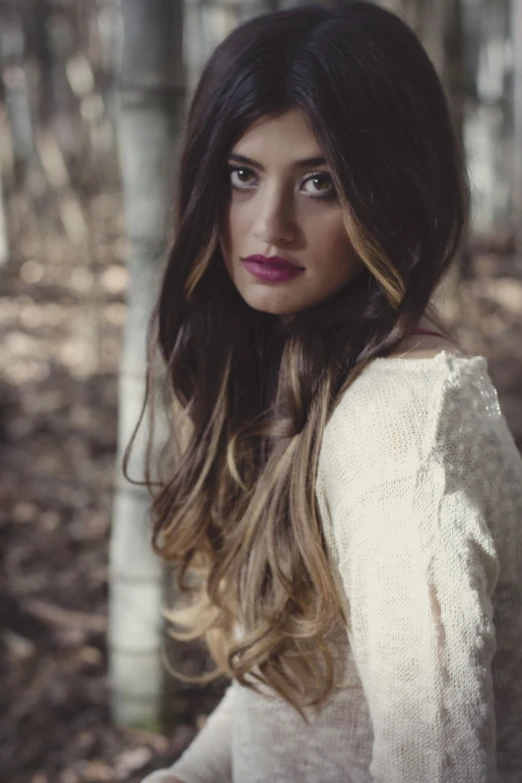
x=420 y=492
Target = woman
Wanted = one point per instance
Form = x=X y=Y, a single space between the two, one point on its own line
x=344 y=509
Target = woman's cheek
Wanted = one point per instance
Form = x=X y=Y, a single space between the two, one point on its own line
x=239 y=222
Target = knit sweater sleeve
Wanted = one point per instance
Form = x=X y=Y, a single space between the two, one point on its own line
x=419 y=567
x=208 y=757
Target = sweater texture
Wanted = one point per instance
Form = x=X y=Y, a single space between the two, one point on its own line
x=419 y=488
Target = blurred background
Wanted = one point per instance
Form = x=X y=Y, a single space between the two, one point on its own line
x=92 y=97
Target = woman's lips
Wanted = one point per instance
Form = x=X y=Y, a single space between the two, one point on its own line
x=278 y=261
x=273 y=269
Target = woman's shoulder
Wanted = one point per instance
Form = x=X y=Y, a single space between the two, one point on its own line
x=396 y=393
x=399 y=410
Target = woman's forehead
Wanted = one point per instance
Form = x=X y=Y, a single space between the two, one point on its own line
x=286 y=137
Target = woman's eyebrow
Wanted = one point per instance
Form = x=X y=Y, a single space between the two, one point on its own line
x=297 y=164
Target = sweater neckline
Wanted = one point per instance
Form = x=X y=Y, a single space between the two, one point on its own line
x=442 y=356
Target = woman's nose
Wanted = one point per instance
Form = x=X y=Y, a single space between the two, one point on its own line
x=275 y=221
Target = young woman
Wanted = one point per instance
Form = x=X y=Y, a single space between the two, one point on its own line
x=345 y=503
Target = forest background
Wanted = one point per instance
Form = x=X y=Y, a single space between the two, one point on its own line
x=92 y=96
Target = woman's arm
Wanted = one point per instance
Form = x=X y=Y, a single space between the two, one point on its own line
x=208 y=757
x=419 y=572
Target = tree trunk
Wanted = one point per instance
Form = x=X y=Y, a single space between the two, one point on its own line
x=150 y=112
x=438 y=25
x=3 y=229
x=488 y=113
x=16 y=90
x=446 y=48
x=516 y=27
x=111 y=40
x=208 y=22
x=246 y=9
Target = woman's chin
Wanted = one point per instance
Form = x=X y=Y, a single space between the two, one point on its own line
x=283 y=314
x=272 y=306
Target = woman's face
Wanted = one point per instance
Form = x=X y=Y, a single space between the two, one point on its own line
x=282 y=203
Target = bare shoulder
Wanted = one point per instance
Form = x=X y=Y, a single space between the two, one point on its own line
x=425 y=346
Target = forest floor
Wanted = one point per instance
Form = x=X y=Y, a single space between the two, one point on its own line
x=61 y=320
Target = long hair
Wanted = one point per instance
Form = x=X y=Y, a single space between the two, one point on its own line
x=237 y=513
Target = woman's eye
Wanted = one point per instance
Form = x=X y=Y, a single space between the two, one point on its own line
x=319 y=185
x=241 y=178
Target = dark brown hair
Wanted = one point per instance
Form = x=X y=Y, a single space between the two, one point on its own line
x=237 y=512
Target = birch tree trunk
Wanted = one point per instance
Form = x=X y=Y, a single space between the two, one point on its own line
x=150 y=112
x=488 y=115
x=446 y=46
x=439 y=27
x=111 y=40
x=208 y=22
x=16 y=90
x=516 y=27
x=246 y=9
x=3 y=228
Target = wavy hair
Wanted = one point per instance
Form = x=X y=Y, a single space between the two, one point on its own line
x=250 y=396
